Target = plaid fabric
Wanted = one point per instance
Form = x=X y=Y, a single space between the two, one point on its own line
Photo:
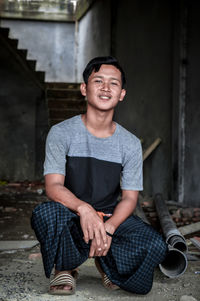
x=135 y=251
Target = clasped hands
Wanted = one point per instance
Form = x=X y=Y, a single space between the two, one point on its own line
x=94 y=230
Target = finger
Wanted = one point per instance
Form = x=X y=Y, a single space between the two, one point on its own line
x=103 y=235
x=105 y=253
x=86 y=236
x=99 y=252
x=92 y=251
x=107 y=248
x=90 y=233
x=97 y=237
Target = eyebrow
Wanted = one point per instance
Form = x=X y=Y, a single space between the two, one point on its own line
x=113 y=78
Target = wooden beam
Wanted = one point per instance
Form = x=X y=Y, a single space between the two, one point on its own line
x=190 y=229
x=151 y=148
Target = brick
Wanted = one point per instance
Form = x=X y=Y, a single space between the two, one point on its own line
x=188 y=212
x=195 y=219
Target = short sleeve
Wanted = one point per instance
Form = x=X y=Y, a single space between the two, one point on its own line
x=132 y=169
x=55 y=155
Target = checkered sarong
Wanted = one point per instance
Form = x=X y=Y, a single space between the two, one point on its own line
x=135 y=251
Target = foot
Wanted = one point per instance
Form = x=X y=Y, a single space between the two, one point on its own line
x=108 y=284
x=61 y=287
x=63 y=283
x=105 y=280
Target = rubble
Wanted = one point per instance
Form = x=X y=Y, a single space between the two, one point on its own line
x=196 y=241
x=21 y=270
x=181 y=215
x=187 y=298
x=17 y=244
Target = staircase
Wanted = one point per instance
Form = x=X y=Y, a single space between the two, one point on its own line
x=21 y=56
x=64 y=101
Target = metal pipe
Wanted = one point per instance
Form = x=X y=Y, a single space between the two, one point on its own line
x=175 y=263
x=171 y=233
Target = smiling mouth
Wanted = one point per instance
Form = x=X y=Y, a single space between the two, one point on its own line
x=104 y=97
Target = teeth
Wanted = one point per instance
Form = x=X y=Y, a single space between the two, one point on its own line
x=104 y=97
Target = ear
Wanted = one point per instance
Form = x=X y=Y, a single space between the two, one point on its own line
x=123 y=93
x=83 y=89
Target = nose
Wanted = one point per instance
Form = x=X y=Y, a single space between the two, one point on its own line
x=106 y=86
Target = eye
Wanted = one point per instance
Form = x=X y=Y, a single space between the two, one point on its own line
x=98 y=81
x=114 y=83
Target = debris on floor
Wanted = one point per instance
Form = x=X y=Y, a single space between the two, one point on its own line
x=17 y=244
x=196 y=241
x=21 y=268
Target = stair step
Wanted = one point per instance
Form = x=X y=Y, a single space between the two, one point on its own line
x=67 y=93
x=64 y=101
x=13 y=42
x=40 y=75
x=23 y=53
x=4 y=32
x=67 y=104
x=64 y=114
x=21 y=56
x=32 y=64
x=60 y=86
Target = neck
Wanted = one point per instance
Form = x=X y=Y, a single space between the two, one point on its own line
x=100 y=124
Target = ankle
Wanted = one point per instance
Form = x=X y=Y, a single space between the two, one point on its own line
x=57 y=272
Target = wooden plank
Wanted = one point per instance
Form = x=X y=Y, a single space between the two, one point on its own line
x=189 y=229
x=151 y=148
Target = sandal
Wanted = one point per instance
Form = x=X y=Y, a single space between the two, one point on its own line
x=105 y=280
x=61 y=279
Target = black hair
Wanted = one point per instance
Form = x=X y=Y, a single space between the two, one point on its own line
x=95 y=64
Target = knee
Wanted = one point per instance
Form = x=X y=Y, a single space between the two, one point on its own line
x=42 y=213
x=51 y=213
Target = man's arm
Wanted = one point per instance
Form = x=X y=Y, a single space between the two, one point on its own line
x=91 y=223
x=122 y=211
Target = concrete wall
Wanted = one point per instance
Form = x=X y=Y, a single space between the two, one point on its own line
x=145 y=38
x=192 y=110
x=63 y=49
x=142 y=41
x=51 y=44
x=20 y=139
x=94 y=35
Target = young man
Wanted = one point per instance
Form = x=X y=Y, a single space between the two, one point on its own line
x=89 y=160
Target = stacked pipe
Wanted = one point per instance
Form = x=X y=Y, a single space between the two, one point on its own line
x=175 y=263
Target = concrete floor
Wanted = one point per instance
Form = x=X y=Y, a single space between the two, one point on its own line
x=22 y=276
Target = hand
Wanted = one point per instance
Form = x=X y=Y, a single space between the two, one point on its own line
x=98 y=250
x=103 y=249
x=92 y=225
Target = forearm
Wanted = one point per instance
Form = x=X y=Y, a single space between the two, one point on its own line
x=91 y=223
x=57 y=192
x=122 y=211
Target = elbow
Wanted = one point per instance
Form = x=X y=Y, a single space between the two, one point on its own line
x=51 y=190
x=53 y=185
x=48 y=191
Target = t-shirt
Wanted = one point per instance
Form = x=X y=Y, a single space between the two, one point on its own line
x=95 y=169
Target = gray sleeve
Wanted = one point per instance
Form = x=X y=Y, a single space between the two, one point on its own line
x=55 y=157
x=132 y=173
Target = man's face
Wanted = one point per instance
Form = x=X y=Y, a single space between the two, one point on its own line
x=104 y=88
